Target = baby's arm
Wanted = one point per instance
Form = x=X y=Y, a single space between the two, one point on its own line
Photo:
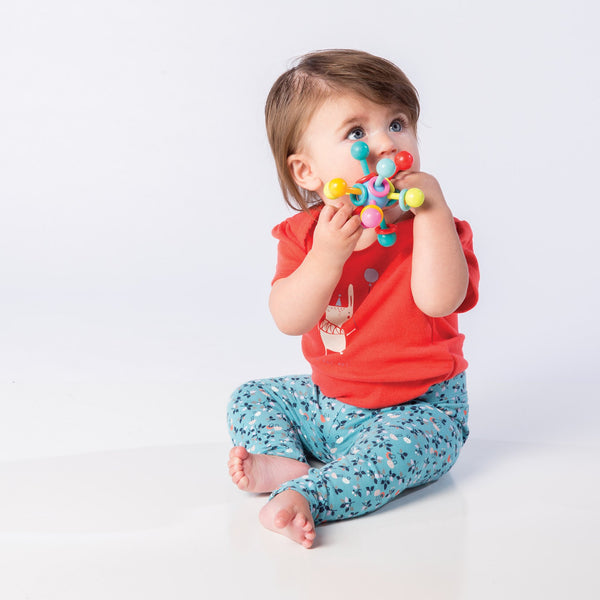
x=298 y=301
x=440 y=274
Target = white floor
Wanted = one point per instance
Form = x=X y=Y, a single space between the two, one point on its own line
x=514 y=519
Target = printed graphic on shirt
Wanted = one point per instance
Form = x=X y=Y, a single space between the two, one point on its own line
x=371 y=276
x=332 y=334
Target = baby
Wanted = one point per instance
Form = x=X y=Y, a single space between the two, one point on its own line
x=385 y=407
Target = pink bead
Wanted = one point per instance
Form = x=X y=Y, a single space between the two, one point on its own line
x=371 y=216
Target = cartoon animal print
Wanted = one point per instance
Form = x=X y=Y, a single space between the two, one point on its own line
x=332 y=334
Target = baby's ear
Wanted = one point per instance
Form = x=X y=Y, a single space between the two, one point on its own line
x=302 y=172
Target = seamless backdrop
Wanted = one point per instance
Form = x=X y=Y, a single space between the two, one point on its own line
x=137 y=194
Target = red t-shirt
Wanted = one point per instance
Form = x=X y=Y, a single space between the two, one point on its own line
x=373 y=346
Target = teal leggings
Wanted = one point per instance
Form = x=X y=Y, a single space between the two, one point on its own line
x=369 y=456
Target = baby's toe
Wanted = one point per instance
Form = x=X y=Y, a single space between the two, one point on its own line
x=235 y=464
x=239 y=452
x=282 y=519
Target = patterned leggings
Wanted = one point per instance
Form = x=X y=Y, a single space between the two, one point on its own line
x=370 y=456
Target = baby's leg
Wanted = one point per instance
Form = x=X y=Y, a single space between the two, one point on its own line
x=383 y=452
x=263 y=417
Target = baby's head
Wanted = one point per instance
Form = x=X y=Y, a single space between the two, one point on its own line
x=317 y=76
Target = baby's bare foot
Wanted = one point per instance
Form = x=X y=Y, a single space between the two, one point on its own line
x=289 y=514
x=262 y=472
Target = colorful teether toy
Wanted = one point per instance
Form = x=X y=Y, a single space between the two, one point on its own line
x=373 y=192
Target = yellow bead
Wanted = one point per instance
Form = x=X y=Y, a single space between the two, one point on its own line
x=336 y=188
x=414 y=197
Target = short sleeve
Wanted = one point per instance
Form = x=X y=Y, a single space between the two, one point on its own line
x=295 y=240
x=465 y=235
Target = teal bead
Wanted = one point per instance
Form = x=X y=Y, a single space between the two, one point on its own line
x=386 y=239
x=386 y=167
x=364 y=195
x=401 y=202
x=359 y=150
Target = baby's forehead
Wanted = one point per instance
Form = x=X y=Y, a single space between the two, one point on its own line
x=363 y=94
x=339 y=102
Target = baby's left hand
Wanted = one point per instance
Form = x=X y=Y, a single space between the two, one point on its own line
x=434 y=197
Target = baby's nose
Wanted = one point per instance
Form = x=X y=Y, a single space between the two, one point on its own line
x=382 y=145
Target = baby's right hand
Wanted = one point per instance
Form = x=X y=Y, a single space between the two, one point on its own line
x=337 y=233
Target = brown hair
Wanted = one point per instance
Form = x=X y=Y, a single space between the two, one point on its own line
x=298 y=92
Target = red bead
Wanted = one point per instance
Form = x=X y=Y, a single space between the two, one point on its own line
x=403 y=160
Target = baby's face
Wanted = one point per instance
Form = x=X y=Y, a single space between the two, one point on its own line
x=342 y=120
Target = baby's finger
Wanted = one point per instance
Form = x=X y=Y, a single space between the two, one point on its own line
x=332 y=215
x=402 y=179
x=352 y=225
x=343 y=213
x=327 y=213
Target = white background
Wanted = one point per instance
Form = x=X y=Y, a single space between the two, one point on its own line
x=137 y=195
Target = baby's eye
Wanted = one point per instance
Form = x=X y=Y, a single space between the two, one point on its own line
x=396 y=126
x=356 y=134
